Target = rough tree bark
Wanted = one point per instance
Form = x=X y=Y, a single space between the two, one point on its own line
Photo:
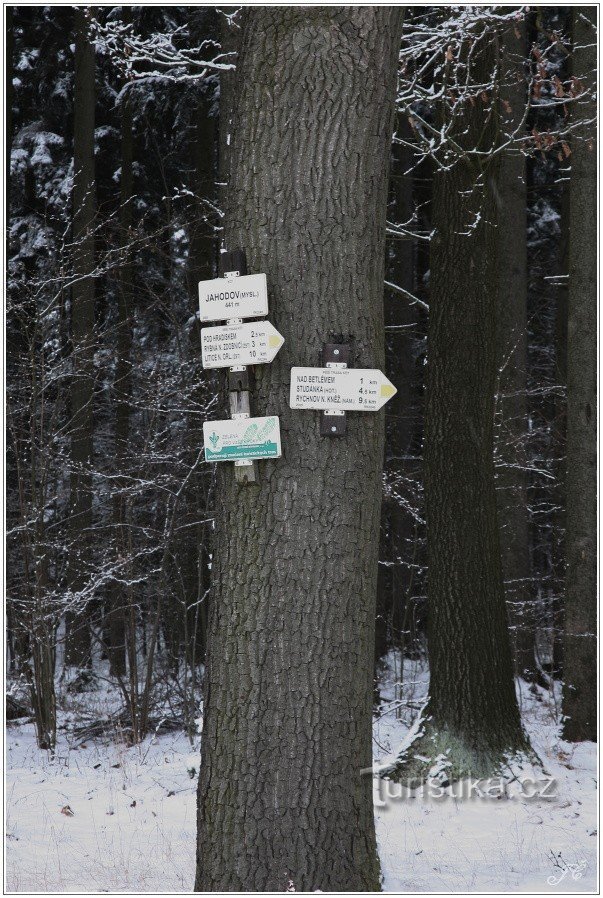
x=580 y=647
x=472 y=719
x=288 y=688
x=512 y=342
x=77 y=648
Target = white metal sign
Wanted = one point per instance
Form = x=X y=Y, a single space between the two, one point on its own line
x=251 y=343
x=242 y=438
x=346 y=389
x=233 y=297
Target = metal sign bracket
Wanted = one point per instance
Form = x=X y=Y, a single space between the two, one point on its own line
x=333 y=422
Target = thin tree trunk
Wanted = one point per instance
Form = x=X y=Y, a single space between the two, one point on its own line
x=512 y=344
x=401 y=415
x=194 y=543
x=559 y=444
x=9 y=64
x=288 y=686
x=17 y=637
x=82 y=332
x=43 y=658
x=230 y=39
x=580 y=648
x=556 y=541
x=123 y=387
x=203 y=252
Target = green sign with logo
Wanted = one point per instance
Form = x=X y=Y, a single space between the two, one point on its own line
x=242 y=439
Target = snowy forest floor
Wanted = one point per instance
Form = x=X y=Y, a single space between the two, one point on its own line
x=103 y=817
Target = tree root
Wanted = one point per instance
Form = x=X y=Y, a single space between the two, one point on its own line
x=437 y=755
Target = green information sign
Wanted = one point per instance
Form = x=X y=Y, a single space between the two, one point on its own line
x=242 y=439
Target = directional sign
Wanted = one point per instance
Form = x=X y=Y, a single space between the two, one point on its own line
x=242 y=438
x=236 y=297
x=252 y=343
x=347 y=389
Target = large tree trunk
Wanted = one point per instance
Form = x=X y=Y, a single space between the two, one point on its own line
x=472 y=694
x=512 y=345
x=580 y=649
x=77 y=650
x=472 y=717
x=288 y=689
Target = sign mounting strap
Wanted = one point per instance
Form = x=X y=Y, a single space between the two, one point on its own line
x=333 y=420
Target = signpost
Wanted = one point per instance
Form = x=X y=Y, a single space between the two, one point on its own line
x=242 y=439
x=334 y=389
x=231 y=298
x=239 y=296
x=343 y=389
x=250 y=343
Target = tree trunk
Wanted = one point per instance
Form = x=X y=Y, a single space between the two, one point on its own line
x=554 y=535
x=472 y=694
x=77 y=650
x=402 y=416
x=9 y=67
x=472 y=715
x=559 y=443
x=123 y=387
x=203 y=251
x=230 y=39
x=288 y=687
x=580 y=648
x=512 y=344
x=203 y=255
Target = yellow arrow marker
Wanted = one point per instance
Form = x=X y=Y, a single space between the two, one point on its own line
x=387 y=390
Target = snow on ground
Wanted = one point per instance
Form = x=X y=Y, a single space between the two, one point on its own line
x=104 y=817
x=476 y=845
x=133 y=823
